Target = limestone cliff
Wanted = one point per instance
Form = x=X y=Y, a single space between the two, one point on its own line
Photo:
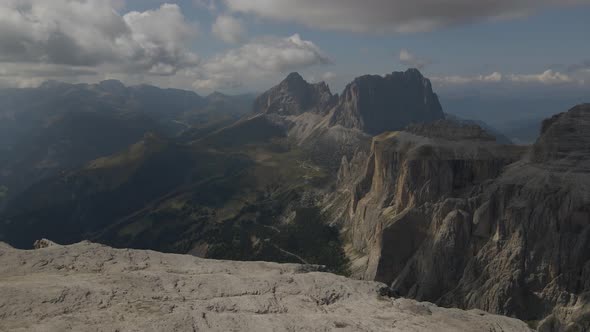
x=89 y=287
x=375 y=104
x=332 y=126
x=462 y=221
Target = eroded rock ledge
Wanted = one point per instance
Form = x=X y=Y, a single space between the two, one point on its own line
x=90 y=287
x=446 y=215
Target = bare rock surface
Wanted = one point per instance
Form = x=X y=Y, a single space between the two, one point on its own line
x=294 y=96
x=90 y=287
x=464 y=222
x=375 y=104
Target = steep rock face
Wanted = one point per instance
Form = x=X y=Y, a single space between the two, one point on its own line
x=294 y=96
x=447 y=221
x=564 y=140
x=375 y=104
x=89 y=287
x=405 y=173
x=331 y=127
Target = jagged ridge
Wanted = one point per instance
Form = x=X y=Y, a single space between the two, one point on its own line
x=473 y=224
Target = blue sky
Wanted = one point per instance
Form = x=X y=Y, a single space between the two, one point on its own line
x=502 y=45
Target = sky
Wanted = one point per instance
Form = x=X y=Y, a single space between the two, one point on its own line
x=239 y=46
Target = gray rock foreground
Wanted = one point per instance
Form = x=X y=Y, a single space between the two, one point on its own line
x=90 y=287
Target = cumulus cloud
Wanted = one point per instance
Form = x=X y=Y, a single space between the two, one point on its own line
x=161 y=46
x=258 y=59
x=389 y=15
x=209 y=4
x=408 y=59
x=93 y=33
x=547 y=77
x=328 y=76
x=229 y=29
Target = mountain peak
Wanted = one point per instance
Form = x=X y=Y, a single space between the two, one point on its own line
x=294 y=77
x=565 y=138
x=375 y=104
x=111 y=86
x=294 y=96
x=413 y=72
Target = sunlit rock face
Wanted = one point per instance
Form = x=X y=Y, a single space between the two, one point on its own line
x=449 y=216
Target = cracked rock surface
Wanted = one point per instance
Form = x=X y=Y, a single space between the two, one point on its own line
x=90 y=287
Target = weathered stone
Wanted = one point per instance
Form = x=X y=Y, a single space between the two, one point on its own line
x=89 y=287
x=487 y=226
x=294 y=96
x=375 y=104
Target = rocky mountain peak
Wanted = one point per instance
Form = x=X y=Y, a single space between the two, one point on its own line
x=565 y=138
x=375 y=104
x=294 y=96
x=294 y=77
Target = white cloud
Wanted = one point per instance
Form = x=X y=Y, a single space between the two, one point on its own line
x=408 y=59
x=258 y=59
x=209 y=4
x=229 y=29
x=547 y=77
x=159 y=37
x=93 y=33
x=493 y=77
x=328 y=76
x=390 y=15
x=90 y=40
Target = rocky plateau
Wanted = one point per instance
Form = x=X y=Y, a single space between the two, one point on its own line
x=90 y=287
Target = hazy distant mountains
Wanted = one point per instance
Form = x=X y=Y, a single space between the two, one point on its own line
x=517 y=117
x=60 y=126
x=70 y=141
x=273 y=160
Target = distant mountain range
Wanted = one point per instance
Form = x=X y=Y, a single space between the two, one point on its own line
x=518 y=118
x=59 y=126
x=377 y=182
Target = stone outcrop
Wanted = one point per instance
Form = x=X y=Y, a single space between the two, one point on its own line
x=89 y=287
x=462 y=221
x=371 y=104
x=332 y=126
x=375 y=104
x=565 y=140
x=294 y=96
